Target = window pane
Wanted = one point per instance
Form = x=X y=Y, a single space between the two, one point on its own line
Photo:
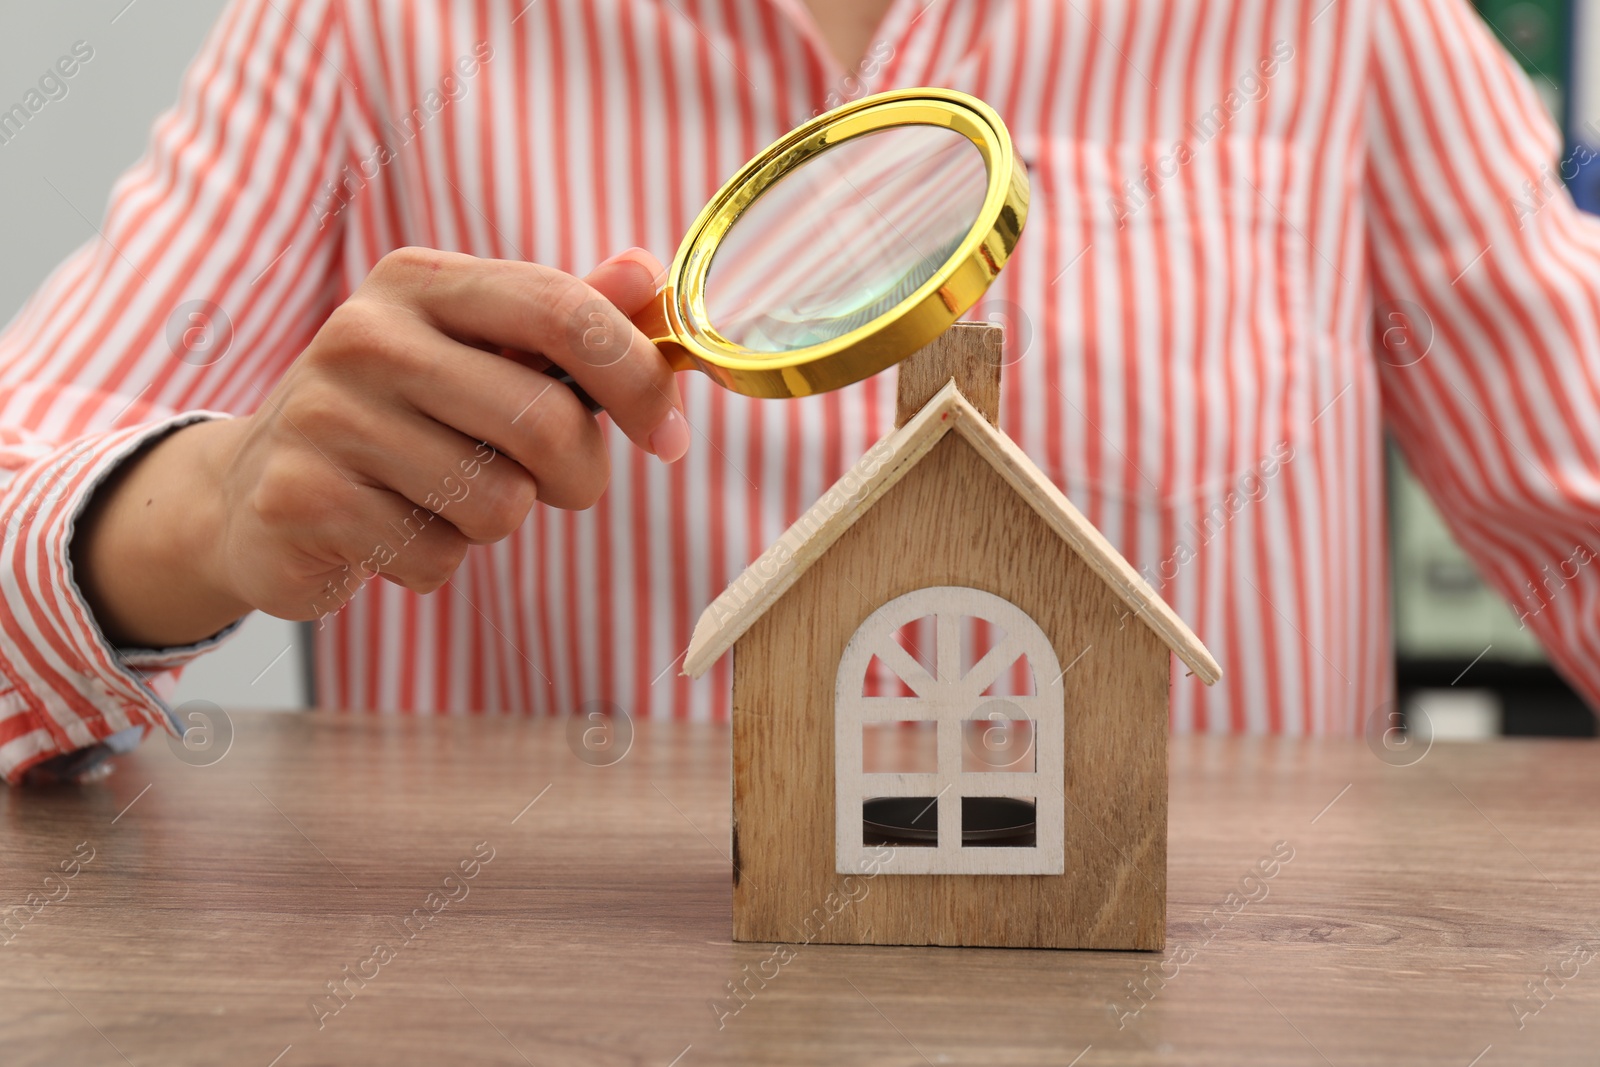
x=900 y=821
x=999 y=737
x=997 y=822
x=1006 y=674
x=900 y=747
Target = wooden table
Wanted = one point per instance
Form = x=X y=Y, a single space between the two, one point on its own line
x=220 y=900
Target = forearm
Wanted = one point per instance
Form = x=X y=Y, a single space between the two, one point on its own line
x=144 y=549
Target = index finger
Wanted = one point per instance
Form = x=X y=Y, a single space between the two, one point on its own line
x=629 y=281
x=525 y=306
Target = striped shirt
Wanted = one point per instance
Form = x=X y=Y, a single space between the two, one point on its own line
x=1262 y=231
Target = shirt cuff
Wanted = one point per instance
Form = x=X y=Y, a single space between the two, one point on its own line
x=63 y=686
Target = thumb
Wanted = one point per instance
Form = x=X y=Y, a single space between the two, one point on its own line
x=628 y=279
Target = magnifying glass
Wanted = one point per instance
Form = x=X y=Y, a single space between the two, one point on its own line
x=844 y=247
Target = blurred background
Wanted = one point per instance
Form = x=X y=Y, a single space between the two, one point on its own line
x=1466 y=667
x=59 y=174
x=1465 y=662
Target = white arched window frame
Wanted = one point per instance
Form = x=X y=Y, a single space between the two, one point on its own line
x=947 y=697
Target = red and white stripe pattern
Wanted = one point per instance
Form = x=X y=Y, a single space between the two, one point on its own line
x=1193 y=346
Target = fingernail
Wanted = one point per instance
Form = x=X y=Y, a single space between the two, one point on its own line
x=670 y=440
x=637 y=256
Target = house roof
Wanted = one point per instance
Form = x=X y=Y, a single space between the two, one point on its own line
x=780 y=566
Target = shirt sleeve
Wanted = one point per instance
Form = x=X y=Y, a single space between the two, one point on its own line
x=1486 y=316
x=211 y=270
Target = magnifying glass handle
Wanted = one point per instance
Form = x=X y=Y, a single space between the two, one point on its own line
x=653 y=322
x=577 y=390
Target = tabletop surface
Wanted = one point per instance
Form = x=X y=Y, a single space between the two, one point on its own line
x=481 y=895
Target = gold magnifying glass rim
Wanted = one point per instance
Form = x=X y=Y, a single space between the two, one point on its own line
x=955 y=287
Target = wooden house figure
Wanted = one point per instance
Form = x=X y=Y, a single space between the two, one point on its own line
x=946 y=527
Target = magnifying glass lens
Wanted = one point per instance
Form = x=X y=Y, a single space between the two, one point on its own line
x=845 y=237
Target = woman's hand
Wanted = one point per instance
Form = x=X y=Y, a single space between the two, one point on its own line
x=418 y=422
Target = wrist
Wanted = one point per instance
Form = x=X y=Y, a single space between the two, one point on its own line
x=147 y=548
x=195 y=527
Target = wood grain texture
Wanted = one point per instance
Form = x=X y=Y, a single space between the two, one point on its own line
x=952 y=520
x=968 y=353
x=1400 y=932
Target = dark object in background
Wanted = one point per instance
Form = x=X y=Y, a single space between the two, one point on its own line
x=1534 y=700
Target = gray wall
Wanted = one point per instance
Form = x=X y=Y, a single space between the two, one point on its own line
x=79 y=144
